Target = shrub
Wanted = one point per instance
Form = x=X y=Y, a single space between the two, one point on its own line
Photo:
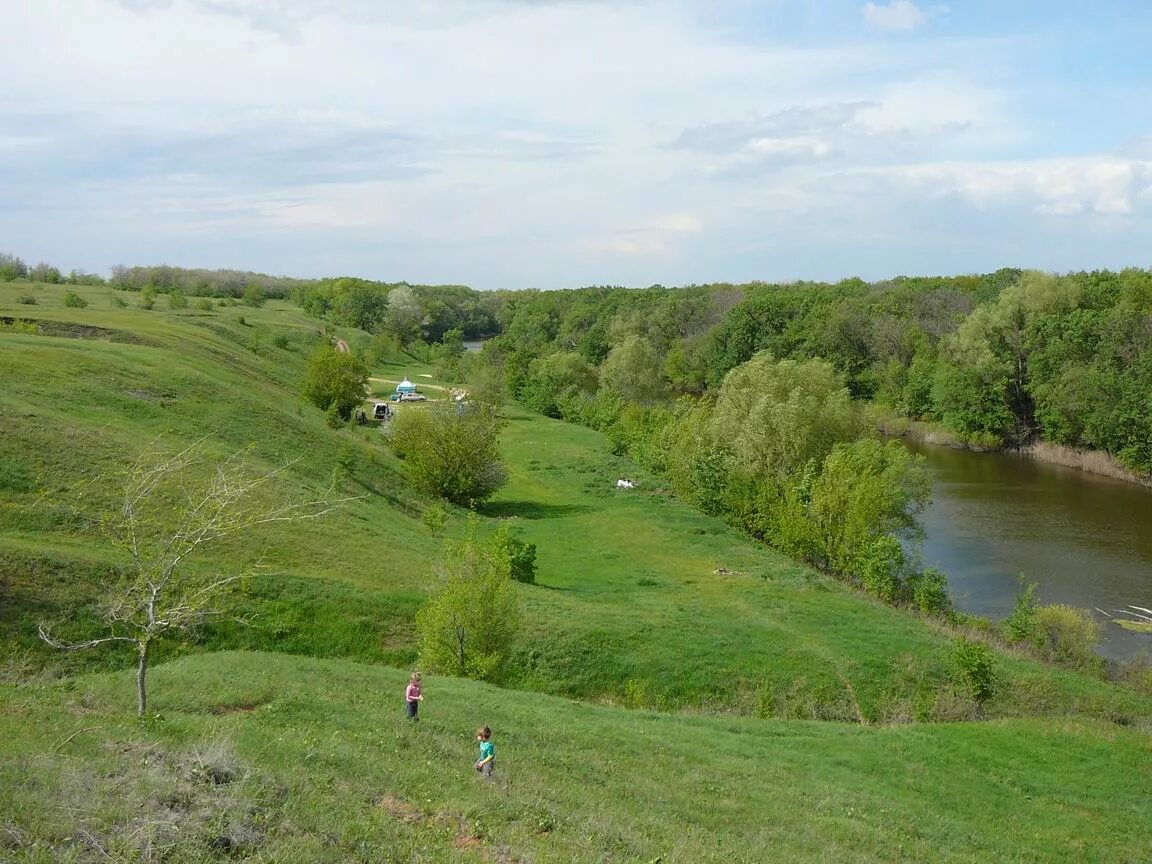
x=1020 y=626
x=74 y=300
x=254 y=295
x=1066 y=634
x=469 y=627
x=177 y=300
x=973 y=668
x=204 y=304
x=148 y=297
x=280 y=340
x=334 y=378
x=880 y=566
x=435 y=517
x=26 y=299
x=929 y=590
x=118 y=302
x=450 y=453
x=516 y=557
x=243 y=321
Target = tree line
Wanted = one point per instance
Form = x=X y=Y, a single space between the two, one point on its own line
x=1003 y=359
x=751 y=400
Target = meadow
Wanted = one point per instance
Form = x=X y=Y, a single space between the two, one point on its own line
x=679 y=692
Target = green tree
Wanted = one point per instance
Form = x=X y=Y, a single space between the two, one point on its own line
x=554 y=379
x=775 y=415
x=451 y=450
x=469 y=627
x=44 y=272
x=868 y=491
x=486 y=385
x=361 y=304
x=435 y=518
x=515 y=556
x=974 y=668
x=404 y=314
x=254 y=294
x=12 y=268
x=635 y=370
x=335 y=379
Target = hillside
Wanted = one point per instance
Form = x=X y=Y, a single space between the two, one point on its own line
x=642 y=602
x=298 y=760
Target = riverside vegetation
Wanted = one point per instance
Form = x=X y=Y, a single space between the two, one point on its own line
x=660 y=693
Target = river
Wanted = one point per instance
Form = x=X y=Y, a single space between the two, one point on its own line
x=1085 y=540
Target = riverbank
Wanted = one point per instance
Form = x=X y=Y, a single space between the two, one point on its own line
x=1090 y=461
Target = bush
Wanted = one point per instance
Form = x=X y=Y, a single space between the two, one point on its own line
x=973 y=668
x=435 y=517
x=1068 y=635
x=469 y=627
x=26 y=299
x=254 y=295
x=880 y=567
x=516 y=557
x=449 y=452
x=929 y=590
x=335 y=379
x=177 y=300
x=204 y=304
x=148 y=297
x=118 y=302
x=1020 y=626
x=280 y=340
x=74 y=300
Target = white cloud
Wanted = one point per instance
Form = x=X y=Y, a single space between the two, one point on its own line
x=900 y=16
x=1103 y=185
x=507 y=143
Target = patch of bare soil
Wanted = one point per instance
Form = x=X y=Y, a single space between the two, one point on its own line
x=69 y=330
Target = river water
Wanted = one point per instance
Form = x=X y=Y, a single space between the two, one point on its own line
x=1085 y=540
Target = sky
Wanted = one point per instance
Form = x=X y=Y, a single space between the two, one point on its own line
x=558 y=143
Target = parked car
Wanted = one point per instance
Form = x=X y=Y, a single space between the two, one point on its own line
x=413 y=397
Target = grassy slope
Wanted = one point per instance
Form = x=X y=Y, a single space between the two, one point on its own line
x=75 y=409
x=629 y=610
x=632 y=601
x=326 y=768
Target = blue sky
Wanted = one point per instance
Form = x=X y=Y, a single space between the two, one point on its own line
x=555 y=143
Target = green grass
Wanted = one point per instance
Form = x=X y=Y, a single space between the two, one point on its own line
x=725 y=651
x=75 y=410
x=298 y=760
x=630 y=604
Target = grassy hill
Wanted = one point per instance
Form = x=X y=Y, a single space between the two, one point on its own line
x=300 y=760
x=641 y=603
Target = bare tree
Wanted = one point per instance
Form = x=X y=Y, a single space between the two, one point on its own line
x=174 y=508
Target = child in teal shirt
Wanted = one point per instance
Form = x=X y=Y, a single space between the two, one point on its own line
x=487 y=762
